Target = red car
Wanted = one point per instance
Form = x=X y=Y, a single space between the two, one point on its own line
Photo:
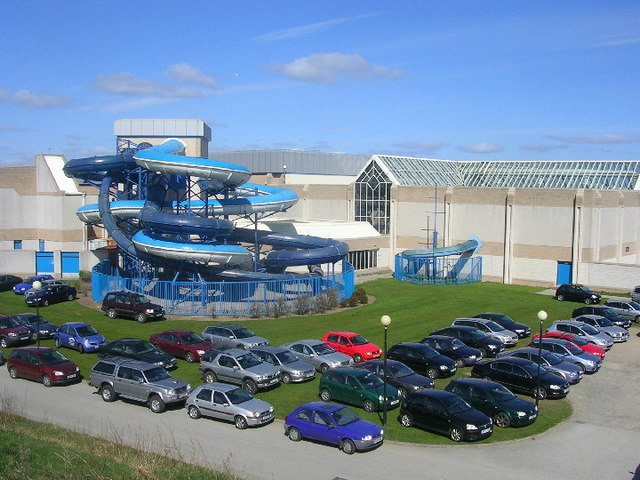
x=11 y=332
x=181 y=343
x=352 y=344
x=580 y=342
x=42 y=364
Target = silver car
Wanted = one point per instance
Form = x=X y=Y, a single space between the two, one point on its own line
x=233 y=336
x=628 y=309
x=589 y=333
x=551 y=362
x=291 y=368
x=491 y=328
x=321 y=355
x=239 y=367
x=617 y=334
x=228 y=402
x=571 y=353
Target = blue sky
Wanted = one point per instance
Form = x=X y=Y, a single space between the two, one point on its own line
x=461 y=80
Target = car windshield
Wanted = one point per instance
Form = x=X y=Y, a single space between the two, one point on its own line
x=578 y=341
x=582 y=288
x=603 y=322
x=456 y=344
x=248 y=360
x=143 y=347
x=607 y=312
x=589 y=330
x=477 y=334
x=500 y=393
x=455 y=404
x=634 y=305
x=532 y=369
x=399 y=370
x=369 y=380
x=86 y=331
x=552 y=358
x=286 y=357
x=238 y=396
x=156 y=374
x=573 y=349
x=138 y=299
x=243 y=333
x=53 y=357
x=503 y=320
x=344 y=416
x=494 y=327
x=322 y=349
x=359 y=340
x=191 y=338
x=429 y=352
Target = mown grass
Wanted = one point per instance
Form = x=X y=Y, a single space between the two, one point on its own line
x=416 y=310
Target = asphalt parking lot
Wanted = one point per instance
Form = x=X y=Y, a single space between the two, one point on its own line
x=600 y=441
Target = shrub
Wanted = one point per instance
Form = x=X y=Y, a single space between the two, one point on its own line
x=361 y=296
x=302 y=304
x=327 y=300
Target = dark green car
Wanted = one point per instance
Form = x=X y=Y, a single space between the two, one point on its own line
x=357 y=386
x=495 y=400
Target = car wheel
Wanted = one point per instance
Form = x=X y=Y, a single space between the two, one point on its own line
x=250 y=386
x=325 y=395
x=588 y=301
x=111 y=313
x=107 y=393
x=190 y=357
x=357 y=358
x=368 y=406
x=71 y=297
x=156 y=404
x=13 y=373
x=3 y=343
x=637 y=319
x=45 y=303
x=57 y=342
x=402 y=392
x=581 y=367
x=140 y=317
x=240 y=422
x=406 y=420
x=80 y=348
x=483 y=352
x=502 y=420
x=488 y=378
x=294 y=434
x=456 y=434
x=540 y=393
x=459 y=362
x=285 y=378
x=432 y=373
x=46 y=381
x=210 y=377
x=34 y=336
x=194 y=412
x=324 y=367
x=347 y=446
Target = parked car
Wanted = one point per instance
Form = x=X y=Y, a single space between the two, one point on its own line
x=523 y=376
x=589 y=333
x=233 y=336
x=352 y=344
x=11 y=332
x=604 y=311
x=552 y=362
x=570 y=351
x=491 y=328
x=2 y=360
x=20 y=288
x=472 y=337
x=292 y=369
x=494 y=400
x=181 y=343
x=399 y=375
x=577 y=293
x=635 y=294
x=136 y=349
x=604 y=325
x=507 y=322
x=454 y=349
x=318 y=353
x=445 y=413
x=357 y=386
x=45 y=283
x=42 y=364
x=78 y=336
x=423 y=359
x=228 y=402
x=239 y=367
x=131 y=305
x=139 y=381
x=628 y=309
x=7 y=282
x=332 y=424
x=580 y=342
x=50 y=295
x=37 y=324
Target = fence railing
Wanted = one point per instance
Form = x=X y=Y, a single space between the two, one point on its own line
x=438 y=270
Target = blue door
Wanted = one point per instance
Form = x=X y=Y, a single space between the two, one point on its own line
x=70 y=262
x=563 y=273
x=44 y=262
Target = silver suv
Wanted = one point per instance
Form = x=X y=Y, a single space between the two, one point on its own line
x=239 y=367
x=587 y=332
x=233 y=336
x=140 y=381
x=491 y=328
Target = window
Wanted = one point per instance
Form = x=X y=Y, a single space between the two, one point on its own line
x=363 y=259
x=41 y=245
x=204 y=394
x=17 y=244
x=219 y=398
x=373 y=198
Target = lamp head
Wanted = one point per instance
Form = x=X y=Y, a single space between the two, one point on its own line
x=37 y=285
x=385 y=320
x=542 y=315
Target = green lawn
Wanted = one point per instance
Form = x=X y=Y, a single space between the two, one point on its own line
x=416 y=310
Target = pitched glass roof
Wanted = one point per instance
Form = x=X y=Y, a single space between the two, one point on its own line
x=604 y=175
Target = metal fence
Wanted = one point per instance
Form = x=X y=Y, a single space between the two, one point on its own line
x=438 y=270
x=230 y=298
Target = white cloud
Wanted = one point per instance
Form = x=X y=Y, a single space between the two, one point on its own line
x=420 y=146
x=309 y=28
x=600 y=139
x=185 y=73
x=127 y=84
x=482 y=148
x=28 y=99
x=328 y=67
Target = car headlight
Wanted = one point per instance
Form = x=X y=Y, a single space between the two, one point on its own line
x=492 y=347
x=58 y=373
x=471 y=427
x=367 y=438
x=200 y=352
x=159 y=363
x=444 y=367
x=270 y=409
x=555 y=387
x=77 y=369
x=296 y=373
x=149 y=310
x=521 y=414
x=255 y=414
x=171 y=392
x=12 y=334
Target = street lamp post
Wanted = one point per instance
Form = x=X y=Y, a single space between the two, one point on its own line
x=37 y=285
x=542 y=316
x=385 y=320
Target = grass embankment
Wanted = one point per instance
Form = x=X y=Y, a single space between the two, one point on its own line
x=416 y=310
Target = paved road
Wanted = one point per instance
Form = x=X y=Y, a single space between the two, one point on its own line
x=601 y=441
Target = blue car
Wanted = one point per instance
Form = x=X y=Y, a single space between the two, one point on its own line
x=20 y=288
x=78 y=336
x=38 y=325
x=332 y=424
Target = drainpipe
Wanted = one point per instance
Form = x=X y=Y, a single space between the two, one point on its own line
x=576 y=243
x=508 y=237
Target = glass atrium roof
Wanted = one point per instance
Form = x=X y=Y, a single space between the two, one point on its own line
x=603 y=175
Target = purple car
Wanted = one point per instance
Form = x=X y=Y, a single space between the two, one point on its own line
x=78 y=336
x=332 y=424
x=20 y=288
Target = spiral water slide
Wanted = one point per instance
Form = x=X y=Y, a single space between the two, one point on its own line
x=181 y=240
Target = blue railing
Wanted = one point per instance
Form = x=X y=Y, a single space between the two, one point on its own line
x=438 y=270
x=228 y=298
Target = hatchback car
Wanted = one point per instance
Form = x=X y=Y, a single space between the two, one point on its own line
x=580 y=342
x=51 y=294
x=357 y=386
x=399 y=375
x=20 y=288
x=523 y=376
x=422 y=359
x=577 y=293
x=7 y=282
x=454 y=349
x=604 y=325
x=11 y=332
x=181 y=343
x=628 y=309
x=233 y=336
x=131 y=305
x=334 y=425
x=39 y=326
x=318 y=353
x=352 y=344
x=472 y=337
x=445 y=413
x=292 y=369
x=42 y=364
x=495 y=400
x=230 y=403
x=507 y=322
x=78 y=336
x=570 y=351
x=589 y=333
x=552 y=362
x=137 y=349
x=603 y=311
x=491 y=328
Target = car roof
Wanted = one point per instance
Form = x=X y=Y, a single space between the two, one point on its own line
x=432 y=393
x=517 y=360
x=575 y=323
x=559 y=341
x=345 y=334
x=175 y=331
x=219 y=386
x=270 y=349
x=234 y=352
x=128 y=362
x=327 y=407
x=308 y=341
x=229 y=326
x=74 y=324
x=525 y=350
x=475 y=381
x=128 y=340
x=458 y=327
x=34 y=349
x=440 y=337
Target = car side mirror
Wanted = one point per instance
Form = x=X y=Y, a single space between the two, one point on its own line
x=236 y=367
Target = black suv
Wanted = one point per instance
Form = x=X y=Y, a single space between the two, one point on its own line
x=132 y=305
x=603 y=311
x=577 y=293
x=472 y=337
x=422 y=359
